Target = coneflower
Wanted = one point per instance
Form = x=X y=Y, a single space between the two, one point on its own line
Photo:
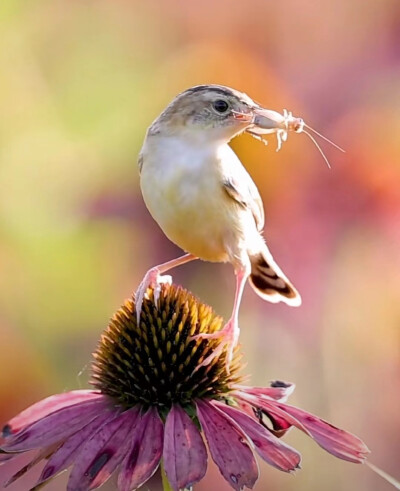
x=154 y=401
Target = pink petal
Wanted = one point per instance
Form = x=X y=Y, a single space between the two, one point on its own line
x=280 y=426
x=4 y=457
x=40 y=456
x=65 y=455
x=279 y=391
x=122 y=442
x=246 y=399
x=46 y=406
x=102 y=452
x=270 y=448
x=245 y=407
x=55 y=427
x=338 y=442
x=228 y=446
x=145 y=452
x=185 y=455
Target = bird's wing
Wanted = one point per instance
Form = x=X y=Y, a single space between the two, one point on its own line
x=243 y=190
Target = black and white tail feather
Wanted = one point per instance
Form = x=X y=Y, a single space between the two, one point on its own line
x=269 y=282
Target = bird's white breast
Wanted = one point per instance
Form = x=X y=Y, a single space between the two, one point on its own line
x=182 y=187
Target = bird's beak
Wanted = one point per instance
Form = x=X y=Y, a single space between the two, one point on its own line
x=261 y=121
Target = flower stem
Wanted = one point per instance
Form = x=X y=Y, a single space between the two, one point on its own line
x=165 y=482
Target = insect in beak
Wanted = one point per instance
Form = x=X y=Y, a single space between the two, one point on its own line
x=265 y=121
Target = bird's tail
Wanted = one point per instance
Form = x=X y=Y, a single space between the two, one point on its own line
x=269 y=282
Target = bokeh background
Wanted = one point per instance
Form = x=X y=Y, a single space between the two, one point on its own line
x=80 y=81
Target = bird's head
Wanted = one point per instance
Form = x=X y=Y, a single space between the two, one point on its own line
x=209 y=113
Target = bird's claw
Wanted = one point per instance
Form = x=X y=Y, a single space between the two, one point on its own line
x=228 y=337
x=165 y=279
x=151 y=278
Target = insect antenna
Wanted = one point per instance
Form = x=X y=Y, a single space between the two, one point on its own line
x=325 y=138
x=319 y=148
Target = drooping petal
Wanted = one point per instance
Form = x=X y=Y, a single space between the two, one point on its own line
x=4 y=457
x=336 y=441
x=121 y=442
x=39 y=456
x=65 y=455
x=184 y=455
x=46 y=406
x=279 y=391
x=340 y=443
x=102 y=452
x=245 y=407
x=268 y=446
x=144 y=454
x=280 y=426
x=229 y=446
x=55 y=427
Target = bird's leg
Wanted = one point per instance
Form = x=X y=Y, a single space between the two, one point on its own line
x=153 y=277
x=229 y=334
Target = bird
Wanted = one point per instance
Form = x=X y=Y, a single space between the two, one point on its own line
x=197 y=190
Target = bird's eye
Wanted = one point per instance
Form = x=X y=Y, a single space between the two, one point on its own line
x=220 y=106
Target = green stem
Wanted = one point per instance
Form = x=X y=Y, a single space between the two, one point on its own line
x=165 y=482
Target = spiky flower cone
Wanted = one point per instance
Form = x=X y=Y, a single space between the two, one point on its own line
x=158 y=363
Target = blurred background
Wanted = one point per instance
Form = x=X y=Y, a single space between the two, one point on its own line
x=80 y=81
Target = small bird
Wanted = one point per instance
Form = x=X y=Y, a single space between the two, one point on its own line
x=199 y=193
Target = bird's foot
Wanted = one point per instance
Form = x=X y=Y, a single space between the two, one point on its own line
x=228 y=337
x=151 y=278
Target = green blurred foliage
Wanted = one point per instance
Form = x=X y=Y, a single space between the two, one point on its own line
x=80 y=81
